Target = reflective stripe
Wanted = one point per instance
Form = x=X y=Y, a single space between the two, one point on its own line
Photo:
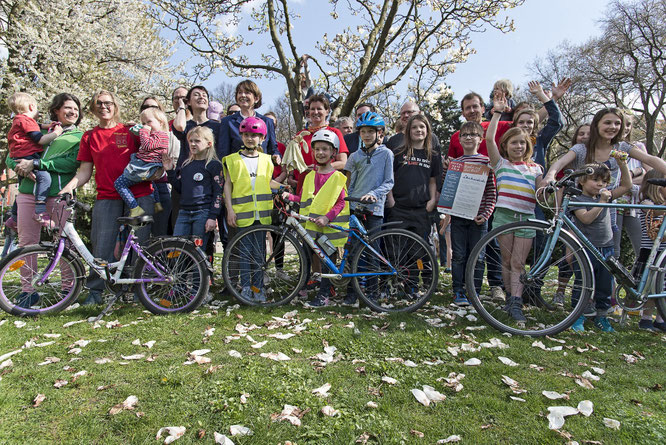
x=265 y=197
x=336 y=235
x=306 y=203
x=245 y=215
x=265 y=213
x=241 y=200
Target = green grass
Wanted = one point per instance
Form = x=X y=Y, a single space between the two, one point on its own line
x=173 y=394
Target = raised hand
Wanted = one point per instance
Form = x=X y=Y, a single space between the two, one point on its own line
x=537 y=90
x=499 y=101
x=561 y=88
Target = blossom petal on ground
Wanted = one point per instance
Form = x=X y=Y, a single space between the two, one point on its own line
x=173 y=433
x=556 y=415
x=433 y=394
x=38 y=400
x=552 y=395
x=451 y=439
x=585 y=407
x=472 y=362
x=129 y=403
x=221 y=439
x=133 y=357
x=322 y=391
x=277 y=356
x=611 y=423
x=507 y=361
x=235 y=353
x=421 y=397
x=330 y=411
x=389 y=380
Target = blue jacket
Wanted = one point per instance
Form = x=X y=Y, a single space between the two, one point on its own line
x=229 y=140
x=547 y=133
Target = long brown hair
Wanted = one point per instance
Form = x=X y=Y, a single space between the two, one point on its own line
x=408 y=147
x=591 y=145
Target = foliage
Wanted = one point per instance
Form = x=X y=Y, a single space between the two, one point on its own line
x=389 y=41
x=624 y=67
x=444 y=114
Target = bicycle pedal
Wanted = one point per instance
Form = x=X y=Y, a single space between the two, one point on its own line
x=101 y=262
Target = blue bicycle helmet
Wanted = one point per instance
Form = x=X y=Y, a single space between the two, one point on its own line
x=370 y=119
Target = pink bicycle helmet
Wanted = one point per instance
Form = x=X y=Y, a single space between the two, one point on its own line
x=253 y=125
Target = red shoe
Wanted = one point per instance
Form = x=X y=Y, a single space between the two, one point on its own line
x=11 y=223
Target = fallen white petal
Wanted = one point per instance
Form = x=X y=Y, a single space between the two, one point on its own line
x=322 y=391
x=433 y=394
x=472 y=362
x=52 y=335
x=129 y=403
x=389 y=380
x=611 y=423
x=222 y=439
x=48 y=361
x=589 y=375
x=517 y=399
x=102 y=361
x=552 y=395
x=19 y=323
x=173 y=433
x=585 y=407
x=239 y=430
x=282 y=336
x=450 y=439
x=259 y=344
x=9 y=354
x=75 y=351
x=277 y=356
x=371 y=404
x=133 y=357
x=6 y=364
x=72 y=323
x=507 y=361
x=556 y=415
x=149 y=344
x=38 y=400
x=235 y=353
x=60 y=383
x=136 y=342
x=421 y=397
x=410 y=364
x=330 y=411
x=598 y=370
x=199 y=352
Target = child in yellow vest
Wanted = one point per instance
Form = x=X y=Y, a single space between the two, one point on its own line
x=247 y=197
x=322 y=198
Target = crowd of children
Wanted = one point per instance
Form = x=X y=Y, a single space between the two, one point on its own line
x=234 y=191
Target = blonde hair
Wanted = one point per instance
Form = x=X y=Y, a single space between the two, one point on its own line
x=206 y=134
x=652 y=191
x=504 y=141
x=504 y=85
x=19 y=103
x=116 y=106
x=159 y=116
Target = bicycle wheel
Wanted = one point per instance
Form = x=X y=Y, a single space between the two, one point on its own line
x=180 y=260
x=20 y=271
x=264 y=266
x=415 y=277
x=566 y=299
x=660 y=286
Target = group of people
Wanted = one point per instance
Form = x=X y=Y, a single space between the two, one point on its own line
x=195 y=174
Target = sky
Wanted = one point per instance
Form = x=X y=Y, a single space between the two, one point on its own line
x=541 y=25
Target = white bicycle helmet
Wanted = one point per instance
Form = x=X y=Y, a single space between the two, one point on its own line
x=326 y=136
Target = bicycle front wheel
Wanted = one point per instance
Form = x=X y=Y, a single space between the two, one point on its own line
x=180 y=260
x=660 y=286
x=21 y=272
x=401 y=278
x=264 y=266
x=550 y=299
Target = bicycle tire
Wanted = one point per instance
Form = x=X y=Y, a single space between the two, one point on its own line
x=182 y=261
x=541 y=319
x=251 y=256
x=416 y=271
x=62 y=287
x=659 y=287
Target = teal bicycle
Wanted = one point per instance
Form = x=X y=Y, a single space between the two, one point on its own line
x=392 y=270
x=558 y=280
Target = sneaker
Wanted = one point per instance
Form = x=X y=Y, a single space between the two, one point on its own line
x=515 y=309
x=281 y=275
x=558 y=299
x=496 y=293
x=26 y=300
x=579 y=324
x=350 y=300
x=460 y=300
x=590 y=311
x=647 y=325
x=11 y=223
x=601 y=322
x=44 y=219
x=247 y=294
x=318 y=301
x=661 y=326
x=447 y=270
x=94 y=297
x=260 y=297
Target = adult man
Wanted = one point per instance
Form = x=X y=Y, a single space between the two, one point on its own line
x=408 y=109
x=472 y=110
x=353 y=140
x=179 y=93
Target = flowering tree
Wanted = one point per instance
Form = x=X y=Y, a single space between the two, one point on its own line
x=388 y=41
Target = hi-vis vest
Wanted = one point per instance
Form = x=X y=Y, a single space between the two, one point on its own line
x=320 y=204
x=244 y=200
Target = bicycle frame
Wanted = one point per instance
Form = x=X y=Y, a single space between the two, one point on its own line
x=292 y=221
x=103 y=270
x=561 y=219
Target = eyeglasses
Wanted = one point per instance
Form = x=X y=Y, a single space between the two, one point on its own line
x=469 y=135
x=108 y=105
x=179 y=97
x=145 y=107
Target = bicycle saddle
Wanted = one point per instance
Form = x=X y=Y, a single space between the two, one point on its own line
x=136 y=221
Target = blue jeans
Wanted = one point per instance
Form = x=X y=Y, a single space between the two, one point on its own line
x=494 y=260
x=371 y=222
x=465 y=234
x=253 y=248
x=603 y=282
x=192 y=223
x=161 y=220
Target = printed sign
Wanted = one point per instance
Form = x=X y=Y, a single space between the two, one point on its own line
x=463 y=189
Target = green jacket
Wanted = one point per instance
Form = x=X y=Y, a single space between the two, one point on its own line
x=59 y=159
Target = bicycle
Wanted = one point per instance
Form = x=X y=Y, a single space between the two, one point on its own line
x=551 y=305
x=392 y=270
x=170 y=274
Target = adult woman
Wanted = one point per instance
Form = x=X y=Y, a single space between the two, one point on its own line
x=59 y=159
x=606 y=133
x=196 y=102
x=248 y=97
x=161 y=219
x=107 y=148
x=319 y=111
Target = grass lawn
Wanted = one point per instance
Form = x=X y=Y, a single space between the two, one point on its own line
x=351 y=349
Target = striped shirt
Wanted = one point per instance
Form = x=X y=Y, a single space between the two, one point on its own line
x=153 y=145
x=489 y=194
x=516 y=185
x=646 y=241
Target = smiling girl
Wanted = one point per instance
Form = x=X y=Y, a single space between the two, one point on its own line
x=517 y=177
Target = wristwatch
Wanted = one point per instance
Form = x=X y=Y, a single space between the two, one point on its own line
x=36 y=164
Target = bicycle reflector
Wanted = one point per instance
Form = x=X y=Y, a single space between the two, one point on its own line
x=174 y=254
x=419 y=264
x=16 y=266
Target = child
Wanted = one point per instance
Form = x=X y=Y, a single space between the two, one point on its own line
x=466 y=233
x=517 y=176
x=370 y=175
x=199 y=183
x=595 y=223
x=504 y=87
x=248 y=174
x=144 y=164
x=25 y=140
x=322 y=198
x=651 y=194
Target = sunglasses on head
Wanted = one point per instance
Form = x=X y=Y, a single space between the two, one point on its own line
x=145 y=107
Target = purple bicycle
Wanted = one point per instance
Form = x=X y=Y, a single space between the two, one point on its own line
x=170 y=274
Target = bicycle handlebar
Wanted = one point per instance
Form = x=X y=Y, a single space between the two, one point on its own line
x=568 y=176
x=73 y=202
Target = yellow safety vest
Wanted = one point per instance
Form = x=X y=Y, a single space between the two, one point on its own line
x=246 y=202
x=320 y=204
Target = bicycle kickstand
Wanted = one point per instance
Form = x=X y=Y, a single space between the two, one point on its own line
x=106 y=310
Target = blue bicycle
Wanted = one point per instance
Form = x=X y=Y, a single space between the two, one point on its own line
x=392 y=270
